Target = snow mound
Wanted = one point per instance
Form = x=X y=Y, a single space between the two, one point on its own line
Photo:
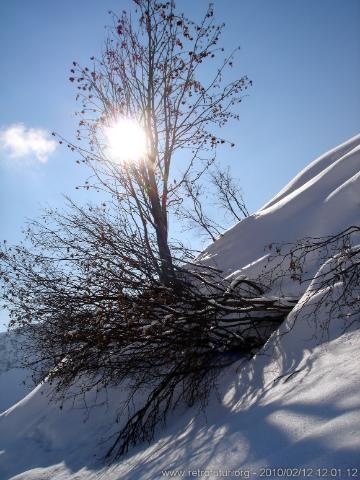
x=13 y=378
x=295 y=405
x=323 y=199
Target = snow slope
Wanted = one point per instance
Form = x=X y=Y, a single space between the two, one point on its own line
x=296 y=404
x=14 y=384
x=323 y=199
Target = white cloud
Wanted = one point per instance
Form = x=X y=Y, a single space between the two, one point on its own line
x=21 y=142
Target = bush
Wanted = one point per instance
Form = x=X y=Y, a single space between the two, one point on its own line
x=92 y=299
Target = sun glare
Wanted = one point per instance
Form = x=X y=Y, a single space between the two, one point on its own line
x=126 y=140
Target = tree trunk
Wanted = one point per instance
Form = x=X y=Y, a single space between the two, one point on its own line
x=159 y=215
x=167 y=270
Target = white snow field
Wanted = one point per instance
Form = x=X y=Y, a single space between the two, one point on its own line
x=13 y=385
x=291 y=411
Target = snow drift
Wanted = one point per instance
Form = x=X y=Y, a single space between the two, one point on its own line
x=295 y=405
x=323 y=199
x=13 y=384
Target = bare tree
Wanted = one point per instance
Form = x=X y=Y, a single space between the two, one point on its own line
x=195 y=215
x=94 y=314
x=152 y=70
x=103 y=292
x=91 y=300
x=225 y=196
x=229 y=195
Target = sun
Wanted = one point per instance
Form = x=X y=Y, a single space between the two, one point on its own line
x=126 y=140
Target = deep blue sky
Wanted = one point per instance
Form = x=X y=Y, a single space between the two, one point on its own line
x=302 y=55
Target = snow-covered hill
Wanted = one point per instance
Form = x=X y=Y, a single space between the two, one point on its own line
x=323 y=199
x=14 y=380
x=296 y=405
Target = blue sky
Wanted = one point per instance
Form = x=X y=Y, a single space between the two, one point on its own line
x=302 y=55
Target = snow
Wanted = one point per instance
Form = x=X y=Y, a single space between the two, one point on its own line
x=296 y=404
x=14 y=382
x=323 y=199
